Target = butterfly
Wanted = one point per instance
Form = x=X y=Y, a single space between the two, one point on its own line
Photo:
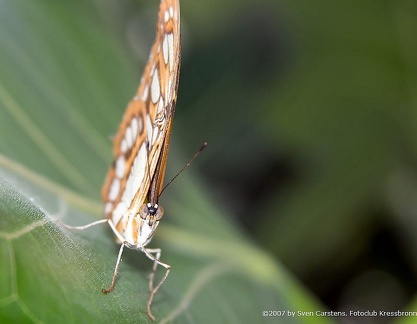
x=134 y=181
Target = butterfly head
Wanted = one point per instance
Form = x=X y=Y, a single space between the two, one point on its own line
x=151 y=214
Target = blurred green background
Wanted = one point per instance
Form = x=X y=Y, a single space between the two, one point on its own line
x=309 y=109
x=310 y=112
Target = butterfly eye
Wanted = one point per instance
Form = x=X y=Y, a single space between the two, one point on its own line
x=159 y=213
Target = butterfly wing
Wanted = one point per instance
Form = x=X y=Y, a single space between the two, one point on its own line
x=140 y=146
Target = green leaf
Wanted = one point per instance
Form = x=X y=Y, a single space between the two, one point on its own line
x=64 y=68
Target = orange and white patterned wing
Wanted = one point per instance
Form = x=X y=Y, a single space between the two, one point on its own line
x=141 y=145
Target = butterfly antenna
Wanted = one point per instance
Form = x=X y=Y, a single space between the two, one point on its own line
x=197 y=153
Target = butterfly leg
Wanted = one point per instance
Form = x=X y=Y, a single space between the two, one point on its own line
x=113 y=281
x=119 y=257
x=101 y=221
x=155 y=265
x=153 y=290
